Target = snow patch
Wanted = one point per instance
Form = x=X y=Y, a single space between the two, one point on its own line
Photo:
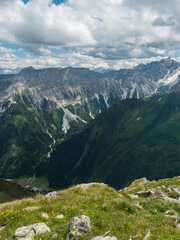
x=170 y=78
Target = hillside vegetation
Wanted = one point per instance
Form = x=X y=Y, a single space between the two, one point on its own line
x=129 y=140
x=125 y=214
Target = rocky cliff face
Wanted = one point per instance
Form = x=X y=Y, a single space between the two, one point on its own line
x=61 y=87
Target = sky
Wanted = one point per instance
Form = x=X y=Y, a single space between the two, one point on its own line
x=108 y=34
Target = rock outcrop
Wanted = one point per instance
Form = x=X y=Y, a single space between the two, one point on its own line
x=77 y=227
x=53 y=194
x=29 y=232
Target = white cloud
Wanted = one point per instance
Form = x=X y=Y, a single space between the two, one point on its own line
x=10 y=60
x=106 y=33
x=39 y=22
x=5 y=50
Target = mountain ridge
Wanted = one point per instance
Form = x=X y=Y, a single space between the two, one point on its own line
x=41 y=108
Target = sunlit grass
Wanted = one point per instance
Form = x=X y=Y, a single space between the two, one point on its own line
x=107 y=210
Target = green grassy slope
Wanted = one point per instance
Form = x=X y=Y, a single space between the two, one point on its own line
x=10 y=191
x=130 y=140
x=108 y=210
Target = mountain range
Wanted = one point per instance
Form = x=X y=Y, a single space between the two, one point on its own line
x=41 y=108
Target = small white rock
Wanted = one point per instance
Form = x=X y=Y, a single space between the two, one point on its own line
x=53 y=194
x=31 y=208
x=60 y=216
x=45 y=215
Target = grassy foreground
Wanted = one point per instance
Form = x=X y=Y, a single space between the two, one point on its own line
x=108 y=209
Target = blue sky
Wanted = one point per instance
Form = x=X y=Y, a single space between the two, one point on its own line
x=57 y=2
x=82 y=33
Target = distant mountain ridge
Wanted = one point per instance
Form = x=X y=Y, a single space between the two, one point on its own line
x=39 y=108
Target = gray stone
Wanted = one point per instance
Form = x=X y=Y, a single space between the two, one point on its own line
x=61 y=216
x=171 y=199
x=133 y=196
x=146 y=193
x=138 y=205
x=23 y=231
x=30 y=236
x=147 y=235
x=77 y=227
x=31 y=208
x=29 y=232
x=45 y=215
x=53 y=194
x=41 y=228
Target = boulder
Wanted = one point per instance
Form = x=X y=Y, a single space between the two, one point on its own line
x=31 y=208
x=29 y=232
x=53 y=194
x=23 y=231
x=40 y=228
x=78 y=226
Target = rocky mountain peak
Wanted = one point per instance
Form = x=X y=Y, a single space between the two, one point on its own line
x=27 y=70
x=168 y=62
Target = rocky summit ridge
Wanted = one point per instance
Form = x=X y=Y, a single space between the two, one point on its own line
x=94 y=211
x=54 y=88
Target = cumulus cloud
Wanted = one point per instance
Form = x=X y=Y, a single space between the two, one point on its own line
x=48 y=59
x=96 y=31
x=41 y=22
